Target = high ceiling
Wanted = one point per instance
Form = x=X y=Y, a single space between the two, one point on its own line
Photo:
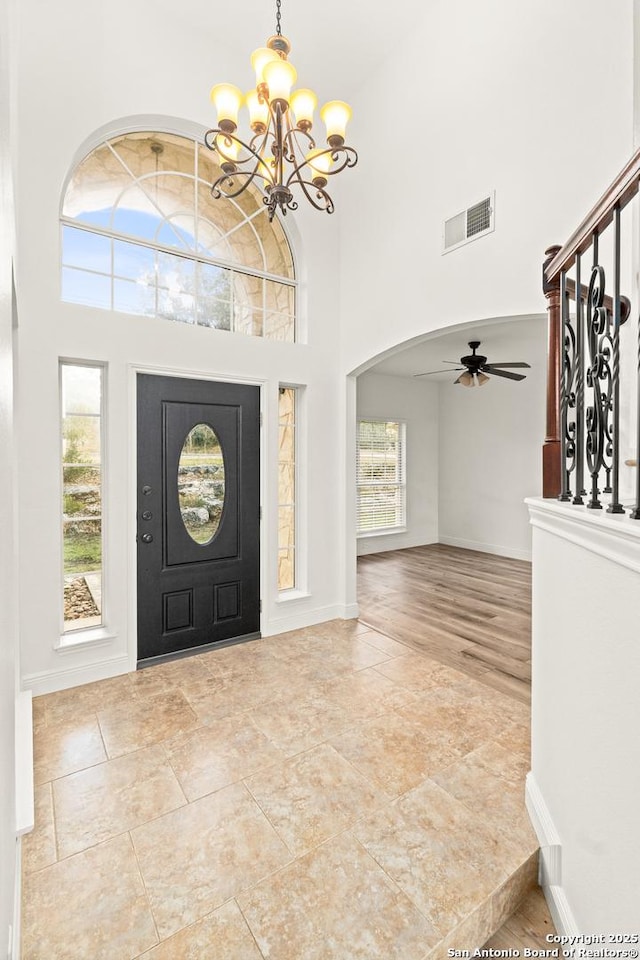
x=335 y=45
x=504 y=341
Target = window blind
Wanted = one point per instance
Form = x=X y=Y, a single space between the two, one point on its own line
x=380 y=475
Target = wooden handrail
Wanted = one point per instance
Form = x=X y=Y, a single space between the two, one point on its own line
x=621 y=191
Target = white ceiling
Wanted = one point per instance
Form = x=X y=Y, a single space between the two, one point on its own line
x=502 y=342
x=335 y=44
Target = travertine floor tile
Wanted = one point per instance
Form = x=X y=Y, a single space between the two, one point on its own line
x=516 y=737
x=195 y=858
x=90 y=906
x=474 y=782
x=297 y=724
x=341 y=651
x=83 y=702
x=419 y=673
x=113 y=797
x=39 y=712
x=223 y=935
x=511 y=893
x=39 y=846
x=366 y=694
x=469 y=934
x=224 y=696
x=335 y=904
x=144 y=721
x=395 y=753
x=387 y=644
x=62 y=748
x=242 y=659
x=396 y=782
x=459 y=722
x=313 y=796
x=165 y=677
x=500 y=761
x=214 y=756
x=437 y=851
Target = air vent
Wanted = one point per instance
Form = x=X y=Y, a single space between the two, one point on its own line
x=472 y=223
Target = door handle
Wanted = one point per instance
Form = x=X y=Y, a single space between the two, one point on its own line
x=147 y=538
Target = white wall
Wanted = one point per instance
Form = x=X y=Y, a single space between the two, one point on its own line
x=8 y=550
x=586 y=711
x=490 y=453
x=416 y=402
x=480 y=97
x=113 y=75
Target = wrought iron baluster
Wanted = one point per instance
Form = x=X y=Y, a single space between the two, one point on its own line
x=579 y=388
x=615 y=506
x=593 y=415
x=567 y=445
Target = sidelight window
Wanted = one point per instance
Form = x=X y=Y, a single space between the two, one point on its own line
x=81 y=388
x=287 y=488
x=141 y=234
x=380 y=476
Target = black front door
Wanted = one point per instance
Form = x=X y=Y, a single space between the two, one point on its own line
x=198 y=513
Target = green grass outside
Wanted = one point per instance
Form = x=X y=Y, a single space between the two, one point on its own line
x=83 y=554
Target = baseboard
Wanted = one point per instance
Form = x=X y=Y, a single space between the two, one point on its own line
x=512 y=552
x=25 y=814
x=560 y=911
x=309 y=618
x=51 y=680
x=391 y=541
x=550 y=861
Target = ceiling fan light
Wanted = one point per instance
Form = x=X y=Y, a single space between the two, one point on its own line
x=482 y=379
x=465 y=379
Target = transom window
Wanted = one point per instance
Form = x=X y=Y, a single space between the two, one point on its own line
x=380 y=476
x=142 y=234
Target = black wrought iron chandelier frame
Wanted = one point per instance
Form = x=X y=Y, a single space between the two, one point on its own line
x=277 y=154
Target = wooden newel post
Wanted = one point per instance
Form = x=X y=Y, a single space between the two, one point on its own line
x=551 y=458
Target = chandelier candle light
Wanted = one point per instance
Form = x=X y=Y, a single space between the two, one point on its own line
x=282 y=154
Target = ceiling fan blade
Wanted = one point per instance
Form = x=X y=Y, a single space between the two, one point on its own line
x=505 y=374
x=450 y=361
x=430 y=372
x=492 y=366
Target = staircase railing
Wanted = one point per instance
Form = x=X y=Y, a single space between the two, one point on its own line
x=581 y=453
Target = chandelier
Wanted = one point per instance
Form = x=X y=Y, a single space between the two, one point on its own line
x=281 y=155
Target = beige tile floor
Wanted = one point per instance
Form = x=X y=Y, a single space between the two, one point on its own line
x=327 y=794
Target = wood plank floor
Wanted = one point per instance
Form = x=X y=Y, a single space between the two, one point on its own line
x=467 y=609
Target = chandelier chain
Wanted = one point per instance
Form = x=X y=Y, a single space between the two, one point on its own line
x=278 y=27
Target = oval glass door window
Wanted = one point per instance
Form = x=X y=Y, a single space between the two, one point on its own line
x=201 y=483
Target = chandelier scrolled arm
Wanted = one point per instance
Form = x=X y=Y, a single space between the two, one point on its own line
x=236 y=174
x=315 y=194
x=341 y=159
x=282 y=153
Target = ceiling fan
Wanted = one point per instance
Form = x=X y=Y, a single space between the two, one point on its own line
x=476 y=368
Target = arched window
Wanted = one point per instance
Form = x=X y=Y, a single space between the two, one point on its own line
x=142 y=234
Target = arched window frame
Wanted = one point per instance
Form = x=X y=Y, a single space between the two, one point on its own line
x=159 y=127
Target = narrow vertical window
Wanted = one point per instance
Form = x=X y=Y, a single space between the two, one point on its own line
x=82 y=494
x=380 y=475
x=287 y=489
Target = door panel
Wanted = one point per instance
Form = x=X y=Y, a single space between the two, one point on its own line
x=193 y=588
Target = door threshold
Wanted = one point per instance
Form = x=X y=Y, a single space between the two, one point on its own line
x=194 y=651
